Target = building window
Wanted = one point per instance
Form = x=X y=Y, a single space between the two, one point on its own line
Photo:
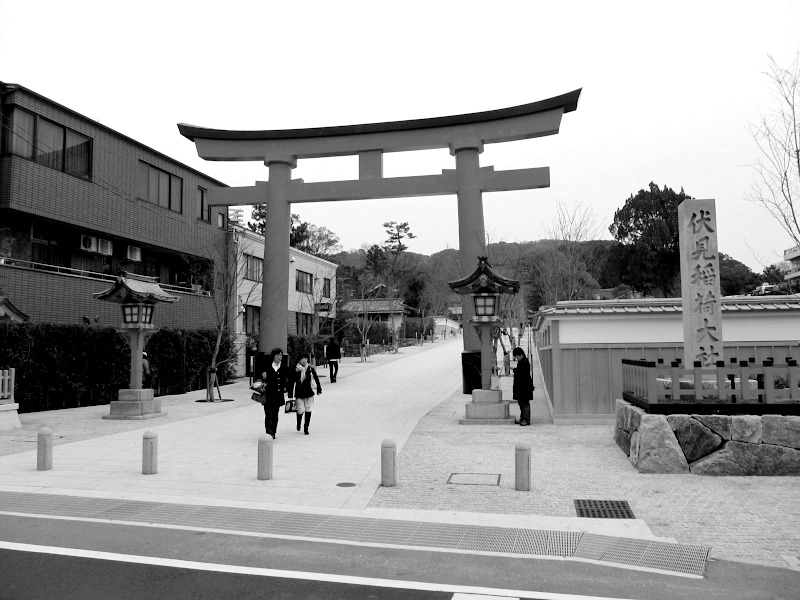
x=304 y=322
x=19 y=136
x=48 y=143
x=161 y=188
x=304 y=282
x=202 y=197
x=252 y=316
x=326 y=287
x=253 y=267
x=221 y=220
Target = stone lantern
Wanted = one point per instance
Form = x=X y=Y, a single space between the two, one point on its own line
x=485 y=287
x=137 y=295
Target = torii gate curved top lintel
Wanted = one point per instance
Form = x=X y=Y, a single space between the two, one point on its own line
x=503 y=125
x=464 y=135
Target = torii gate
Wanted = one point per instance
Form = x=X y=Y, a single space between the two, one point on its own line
x=465 y=136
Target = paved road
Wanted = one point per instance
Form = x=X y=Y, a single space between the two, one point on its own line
x=46 y=558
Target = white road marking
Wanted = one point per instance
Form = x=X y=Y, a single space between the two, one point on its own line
x=460 y=592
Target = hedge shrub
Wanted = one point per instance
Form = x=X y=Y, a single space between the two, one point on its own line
x=66 y=366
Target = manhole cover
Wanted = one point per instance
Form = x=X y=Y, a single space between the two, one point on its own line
x=474 y=479
x=604 y=509
x=346 y=484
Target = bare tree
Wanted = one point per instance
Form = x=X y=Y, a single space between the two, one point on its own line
x=777 y=134
x=567 y=268
x=315 y=303
x=236 y=282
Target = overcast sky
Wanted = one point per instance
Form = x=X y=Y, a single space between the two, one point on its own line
x=668 y=91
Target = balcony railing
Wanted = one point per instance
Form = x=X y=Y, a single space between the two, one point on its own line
x=27 y=264
x=658 y=388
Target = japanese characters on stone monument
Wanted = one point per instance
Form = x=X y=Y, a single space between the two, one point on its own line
x=702 y=307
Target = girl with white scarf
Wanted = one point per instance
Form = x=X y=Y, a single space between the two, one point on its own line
x=303 y=391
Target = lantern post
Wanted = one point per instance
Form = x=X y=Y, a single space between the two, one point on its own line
x=137 y=295
x=485 y=287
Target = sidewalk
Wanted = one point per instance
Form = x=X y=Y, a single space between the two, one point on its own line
x=207 y=457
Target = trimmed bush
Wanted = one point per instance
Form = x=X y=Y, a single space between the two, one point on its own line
x=66 y=366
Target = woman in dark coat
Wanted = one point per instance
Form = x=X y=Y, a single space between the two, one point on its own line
x=301 y=385
x=273 y=389
x=523 y=386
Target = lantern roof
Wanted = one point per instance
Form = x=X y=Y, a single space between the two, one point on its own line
x=9 y=312
x=484 y=280
x=131 y=288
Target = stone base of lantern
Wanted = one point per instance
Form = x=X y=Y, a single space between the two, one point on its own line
x=135 y=405
x=487 y=408
x=9 y=417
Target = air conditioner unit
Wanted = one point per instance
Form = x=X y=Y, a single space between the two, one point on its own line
x=89 y=243
x=134 y=253
x=105 y=247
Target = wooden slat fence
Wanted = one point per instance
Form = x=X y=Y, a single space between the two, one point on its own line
x=654 y=382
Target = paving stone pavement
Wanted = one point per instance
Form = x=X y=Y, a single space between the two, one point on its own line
x=753 y=519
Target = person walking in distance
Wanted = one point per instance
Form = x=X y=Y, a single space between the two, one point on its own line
x=333 y=353
x=274 y=387
x=303 y=390
x=523 y=386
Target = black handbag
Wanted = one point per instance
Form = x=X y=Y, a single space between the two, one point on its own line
x=290 y=406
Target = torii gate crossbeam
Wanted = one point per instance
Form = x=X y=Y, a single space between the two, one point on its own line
x=464 y=135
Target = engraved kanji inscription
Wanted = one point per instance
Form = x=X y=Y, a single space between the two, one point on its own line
x=704 y=274
x=701 y=221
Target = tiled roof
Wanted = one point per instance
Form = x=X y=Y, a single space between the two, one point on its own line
x=666 y=305
x=135 y=288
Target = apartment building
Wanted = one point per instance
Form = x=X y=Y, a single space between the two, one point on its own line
x=80 y=203
x=312 y=289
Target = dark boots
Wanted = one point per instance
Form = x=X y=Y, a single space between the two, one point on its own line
x=299 y=421
x=308 y=420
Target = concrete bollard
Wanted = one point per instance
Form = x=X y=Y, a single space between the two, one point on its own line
x=522 y=474
x=265 y=457
x=149 y=453
x=44 y=450
x=388 y=463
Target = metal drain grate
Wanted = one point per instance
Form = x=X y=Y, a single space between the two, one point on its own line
x=604 y=509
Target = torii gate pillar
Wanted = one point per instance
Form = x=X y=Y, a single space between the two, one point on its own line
x=471 y=230
x=274 y=316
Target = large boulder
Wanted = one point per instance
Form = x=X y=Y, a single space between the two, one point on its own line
x=719 y=424
x=741 y=458
x=696 y=440
x=658 y=450
x=623 y=439
x=781 y=430
x=634 y=452
x=628 y=416
x=746 y=428
x=676 y=421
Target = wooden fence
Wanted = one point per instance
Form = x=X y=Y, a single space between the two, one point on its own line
x=649 y=384
x=7 y=386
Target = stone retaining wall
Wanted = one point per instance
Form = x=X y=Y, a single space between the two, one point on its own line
x=709 y=444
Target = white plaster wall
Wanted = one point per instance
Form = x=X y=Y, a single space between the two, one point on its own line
x=614 y=329
x=756 y=326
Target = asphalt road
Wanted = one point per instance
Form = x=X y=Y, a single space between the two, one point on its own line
x=158 y=562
